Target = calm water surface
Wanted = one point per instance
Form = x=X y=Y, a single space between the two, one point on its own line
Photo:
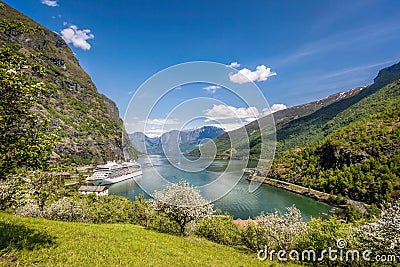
x=239 y=202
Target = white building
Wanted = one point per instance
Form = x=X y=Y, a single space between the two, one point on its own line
x=99 y=190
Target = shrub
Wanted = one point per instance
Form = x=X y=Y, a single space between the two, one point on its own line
x=323 y=234
x=69 y=210
x=14 y=192
x=383 y=235
x=111 y=209
x=282 y=230
x=143 y=213
x=220 y=229
x=254 y=237
x=164 y=224
x=353 y=213
x=29 y=210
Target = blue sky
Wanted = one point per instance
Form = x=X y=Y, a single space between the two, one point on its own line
x=316 y=48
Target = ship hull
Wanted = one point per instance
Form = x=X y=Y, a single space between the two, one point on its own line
x=115 y=180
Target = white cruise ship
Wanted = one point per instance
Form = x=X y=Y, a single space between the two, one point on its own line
x=113 y=172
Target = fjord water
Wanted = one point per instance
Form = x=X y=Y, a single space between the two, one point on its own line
x=239 y=202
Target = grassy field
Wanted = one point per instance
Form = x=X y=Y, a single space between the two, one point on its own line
x=40 y=242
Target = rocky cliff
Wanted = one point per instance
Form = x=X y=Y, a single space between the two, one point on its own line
x=88 y=122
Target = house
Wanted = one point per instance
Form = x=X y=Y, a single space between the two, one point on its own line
x=99 y=190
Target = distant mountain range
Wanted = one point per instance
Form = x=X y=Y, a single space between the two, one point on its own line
x=188 y=139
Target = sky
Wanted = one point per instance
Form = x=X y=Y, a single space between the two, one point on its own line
x=294 y=51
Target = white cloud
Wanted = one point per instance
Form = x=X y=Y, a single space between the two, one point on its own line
x=155 y=132
x=245 y=75
x=274 y=108
x=226 y=126
x=357 y=69
x=212 y=88
x=161 y=121
x=228 y=112
x=234 y=65
x=51 y=3
x=77 y=37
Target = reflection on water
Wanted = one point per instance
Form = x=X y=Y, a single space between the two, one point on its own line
x=238 y=202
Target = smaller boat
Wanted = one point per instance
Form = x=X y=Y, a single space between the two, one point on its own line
x=113 y=172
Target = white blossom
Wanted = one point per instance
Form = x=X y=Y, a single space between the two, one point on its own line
x=11 y=71
x=282 y=230
x=383 y=235
x=68 y=210
x=181 y=203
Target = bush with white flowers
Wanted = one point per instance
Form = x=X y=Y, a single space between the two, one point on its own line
x=383 y=235
x=281 y=231
x=29 y=210
x=182 y=203
x=68 y=210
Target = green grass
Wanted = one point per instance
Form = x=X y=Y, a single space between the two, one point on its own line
x=40 y=242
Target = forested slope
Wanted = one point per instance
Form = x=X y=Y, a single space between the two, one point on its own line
x=360 y=160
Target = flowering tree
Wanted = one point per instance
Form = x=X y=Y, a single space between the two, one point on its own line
x=68 y=210
x=282 y=230
x=13 y=193
x=383 y=235
x=182 y=203
x=43 y=187
x=24 y=132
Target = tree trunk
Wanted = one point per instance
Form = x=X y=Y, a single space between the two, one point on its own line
x=182 y=225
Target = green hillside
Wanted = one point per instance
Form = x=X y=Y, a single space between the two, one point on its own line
x=350 y=147
x=360 y=160
x=50 y=243
x=319 y=124
x=88 y=122
x=314 y=121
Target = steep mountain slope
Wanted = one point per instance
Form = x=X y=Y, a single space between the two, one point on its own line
x=88 y=122
x=319 y=124
x=360 y=160
x=282 y=118
x=142 y=142
x=188 y=139
x=313 y=121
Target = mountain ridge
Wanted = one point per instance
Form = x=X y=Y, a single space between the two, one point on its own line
x=188 y=139
x=358 y=160
x=283 y=117
x=88 y=122
x=309 y=122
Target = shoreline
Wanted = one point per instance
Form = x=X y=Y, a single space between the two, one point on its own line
x=294 y=188
x=307 y=192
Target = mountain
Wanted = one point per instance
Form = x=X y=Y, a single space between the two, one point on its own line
x=360 y=159
x=349 y=146
x=310 y=122
x=282 y=118
x=188 y=139
x=88 y=122
x=142 y=142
